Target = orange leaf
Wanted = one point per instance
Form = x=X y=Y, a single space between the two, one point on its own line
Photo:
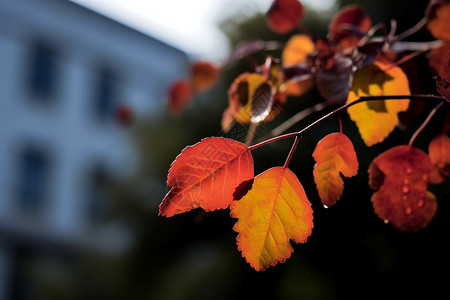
x=350 y=16
x=377 y=119
x=297 y=48
x=333 y=154
x=401 y=175
x=284 y=15
x=439 y=20
x=205 y=175
x=439 y=152
x=179 y=96
x=204 y=75
x=273 y=212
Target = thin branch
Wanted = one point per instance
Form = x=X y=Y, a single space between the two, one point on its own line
x=251 y=133
x=296 y=118
x=361 y=99
x=419 y=130
x=412 y=30
x=291 y=152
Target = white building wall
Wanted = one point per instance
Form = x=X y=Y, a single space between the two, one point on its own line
x=65 y=126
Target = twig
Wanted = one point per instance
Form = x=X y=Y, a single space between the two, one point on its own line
x=296 y=118
x=412 y=30
x=361 y=99
x=419 y=130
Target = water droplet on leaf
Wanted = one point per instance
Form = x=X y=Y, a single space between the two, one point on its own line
x=386 y=221
x=420 y=203
x=405 y=189
x=408 y=170
x=408 y=210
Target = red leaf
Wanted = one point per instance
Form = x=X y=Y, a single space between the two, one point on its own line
x=344 y=26
x=402 y=175
x=206 y=175
x=179 y=96
x=204 y=75
x=284 y=15
x=439 y=152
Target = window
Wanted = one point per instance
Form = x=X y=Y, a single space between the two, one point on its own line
x=104 y=94
x=33 y=178
x=42 y=73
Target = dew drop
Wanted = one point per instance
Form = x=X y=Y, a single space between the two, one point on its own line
x=404 y=197
x=420 y=203
x=408 y=170
x=325 y=206
x=425 y=177
x=408 y=210
x=405 y=189
x=386 y=221
x=406 y=181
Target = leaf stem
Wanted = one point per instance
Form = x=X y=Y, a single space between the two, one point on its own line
x=291 y=152
x=360 y=100
x=419 y=130
x=412 y=30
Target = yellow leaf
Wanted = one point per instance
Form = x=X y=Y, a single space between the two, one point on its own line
x=377 y=119
x=274 y=211
x=297 y=49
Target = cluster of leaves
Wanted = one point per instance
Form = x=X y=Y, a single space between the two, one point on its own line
x=353 y=69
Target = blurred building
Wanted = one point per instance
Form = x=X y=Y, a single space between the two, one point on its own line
x=65 y=73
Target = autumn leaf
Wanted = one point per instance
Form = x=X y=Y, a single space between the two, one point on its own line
x=377 y=119
x=439 y=152
x=179 y=96
x=401 y=175
x=284 y=15
x=334 y=154
x=334 y=83
x=204 y=75
x=251 y=100
x=297 y=48
x=275 y=211
x=439 y=61
x=438 y=14
x=205 y=175
x=348 y=26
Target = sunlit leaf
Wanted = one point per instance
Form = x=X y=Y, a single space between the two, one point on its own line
x=275 y=211
x=297 y=48
x=439 y=19
x=250 y=98
x=439 y=152
x=179 y=96
x=334 y=154
x=206 y=175
x=377 y=119
x=348 y=26
x=401 y=175
x=284 y=15
x=204 y=75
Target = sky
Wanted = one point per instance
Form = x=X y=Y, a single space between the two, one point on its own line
x=191 y=26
